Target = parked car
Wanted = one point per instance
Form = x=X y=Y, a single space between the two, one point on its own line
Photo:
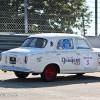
x=50 y=54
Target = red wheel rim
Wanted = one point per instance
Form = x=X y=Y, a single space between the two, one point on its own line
x=51 y=72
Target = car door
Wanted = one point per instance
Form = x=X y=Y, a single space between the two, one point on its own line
x=66 y=54
x=86 y=55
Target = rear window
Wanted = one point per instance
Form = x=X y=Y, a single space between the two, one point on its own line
x=35 y=43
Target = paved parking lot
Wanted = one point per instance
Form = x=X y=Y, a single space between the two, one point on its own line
x=65 y=87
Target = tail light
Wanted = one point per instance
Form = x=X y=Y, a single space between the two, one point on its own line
x=25 y=60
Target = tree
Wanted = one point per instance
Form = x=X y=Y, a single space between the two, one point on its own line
x=58 y=15
x=51 y=15
x=10 y=21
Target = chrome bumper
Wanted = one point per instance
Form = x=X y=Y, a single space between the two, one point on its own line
x=10 y=68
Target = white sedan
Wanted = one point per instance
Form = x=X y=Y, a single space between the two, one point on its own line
x=51 y=53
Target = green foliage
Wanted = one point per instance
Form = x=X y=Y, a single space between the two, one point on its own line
x=52 y=15
x=60 y=15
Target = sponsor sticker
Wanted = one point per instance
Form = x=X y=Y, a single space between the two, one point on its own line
x=71 y=60
x=66 y=44
x=87 y=60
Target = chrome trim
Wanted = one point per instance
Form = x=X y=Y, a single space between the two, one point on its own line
x=10 y=68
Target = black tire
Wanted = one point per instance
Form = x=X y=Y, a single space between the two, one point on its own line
x=49 y=74
x=21 y=74
x=80 y=74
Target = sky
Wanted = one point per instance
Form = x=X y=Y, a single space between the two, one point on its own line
x=91 y=30
x=91 y=4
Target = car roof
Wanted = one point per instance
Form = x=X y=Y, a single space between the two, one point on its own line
x=50 y=35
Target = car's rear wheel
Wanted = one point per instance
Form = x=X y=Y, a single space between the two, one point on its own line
x=21 y=74
x=49 y=73
x=80 y=74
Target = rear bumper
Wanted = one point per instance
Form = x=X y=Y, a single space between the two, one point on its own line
x=10 y=68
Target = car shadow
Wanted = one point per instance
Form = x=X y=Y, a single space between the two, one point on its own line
x=37 y=82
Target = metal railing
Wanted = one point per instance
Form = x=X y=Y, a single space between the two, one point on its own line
x=9 y=41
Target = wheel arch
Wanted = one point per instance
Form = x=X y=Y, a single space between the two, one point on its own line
x=56 y=65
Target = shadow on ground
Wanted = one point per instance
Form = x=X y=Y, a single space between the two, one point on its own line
x=37 y=82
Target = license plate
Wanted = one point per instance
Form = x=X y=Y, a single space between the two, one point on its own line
x=12 y=60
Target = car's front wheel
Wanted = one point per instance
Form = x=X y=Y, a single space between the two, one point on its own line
x=49 y=73
x=21 y=74
x=80 y=74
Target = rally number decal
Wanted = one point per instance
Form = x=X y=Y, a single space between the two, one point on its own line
x=87 y=60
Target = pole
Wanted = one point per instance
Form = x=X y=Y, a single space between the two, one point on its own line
x=25 y=16
x=96 y=18
x=84 y=31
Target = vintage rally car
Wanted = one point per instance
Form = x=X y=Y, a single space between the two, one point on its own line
x=51 y=53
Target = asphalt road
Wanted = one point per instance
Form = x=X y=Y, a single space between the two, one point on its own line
x=65 y=87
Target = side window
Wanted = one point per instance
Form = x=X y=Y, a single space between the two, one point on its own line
x=81 y=44
x=64 y=44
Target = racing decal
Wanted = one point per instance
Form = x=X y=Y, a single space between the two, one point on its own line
x=51 y=44
x=66 y=44
x=39 y=59
x=72 y=60
x=87 y=60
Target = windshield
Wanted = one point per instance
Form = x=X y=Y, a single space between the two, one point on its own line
x=35 y=43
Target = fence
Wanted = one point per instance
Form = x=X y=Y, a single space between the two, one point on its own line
x=42 y=16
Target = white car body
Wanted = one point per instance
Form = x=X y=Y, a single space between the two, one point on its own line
x=70 y=53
